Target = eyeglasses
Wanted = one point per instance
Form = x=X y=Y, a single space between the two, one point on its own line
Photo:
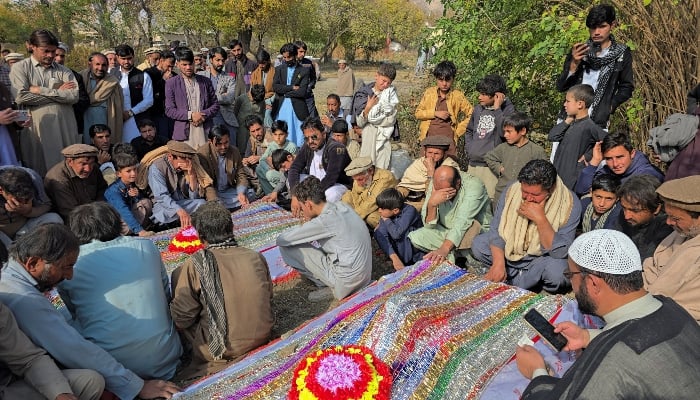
x=569 y=274
x=309 y=138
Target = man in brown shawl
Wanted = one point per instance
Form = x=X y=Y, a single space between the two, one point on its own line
x=106 y=97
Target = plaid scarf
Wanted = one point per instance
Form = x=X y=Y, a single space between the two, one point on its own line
x=605 y=64
x=208 y=270
x=587 y=226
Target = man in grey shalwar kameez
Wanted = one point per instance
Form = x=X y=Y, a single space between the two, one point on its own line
x=332 y=248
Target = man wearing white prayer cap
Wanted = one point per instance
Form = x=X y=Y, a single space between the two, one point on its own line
x=648 y=347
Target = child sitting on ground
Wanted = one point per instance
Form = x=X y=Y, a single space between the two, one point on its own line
x=576 y=135
x=133 y=206
x=507 y=159
x=281 y=162
x=602 y=209
x=339 y=133
x=397 y=220
x=265 y=171
x=375 y=108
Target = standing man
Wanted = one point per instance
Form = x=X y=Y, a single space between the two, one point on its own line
x=307 y=63
x=290 y=84
x=111 y=59
x=345 y=87
x=48 y=90
x=159 y=75
x=137 y=89
x=622 y=359
x=239 y=67
x=332 y=248
x=106 y=98
x=152 y=59
x=83 y=99
x=264 y=75
x=190 y=101
x=225 y=88
x=601 y=62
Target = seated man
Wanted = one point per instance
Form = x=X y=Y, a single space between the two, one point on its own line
x=149 y=139
x=674 y=269
x=642 y=217
x=340 y=133
x=178 y=182
x=223 y=165
x=222 y=296
x=623 y=359
x=115 y=272
x=368 y=182
x=322 y=158
x=620 y=158
x=534 y=224
x=27 y=372
x=23 y=203
x=75 y=181
x=38 y=261
x=417 y=177
x=255 y=148
x=332 y=248
x=458 y=208
x=100 y=135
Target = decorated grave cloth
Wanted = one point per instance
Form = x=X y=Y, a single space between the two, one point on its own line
x=255 y=227
x=444 y=333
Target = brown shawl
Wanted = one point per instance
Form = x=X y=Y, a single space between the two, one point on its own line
x=108 y=90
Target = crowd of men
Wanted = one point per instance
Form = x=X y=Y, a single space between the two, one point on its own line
x=188 y=137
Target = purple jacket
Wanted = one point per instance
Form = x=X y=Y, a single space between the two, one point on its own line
x=177 y=108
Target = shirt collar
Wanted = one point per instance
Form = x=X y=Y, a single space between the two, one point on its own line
x=37 y=64
x=17 y=271
x=635 y=309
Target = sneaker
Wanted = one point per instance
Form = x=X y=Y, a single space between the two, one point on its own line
x=319 y=295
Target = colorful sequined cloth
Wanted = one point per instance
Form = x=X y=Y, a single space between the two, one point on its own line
x=255 y=227
x=443 y=332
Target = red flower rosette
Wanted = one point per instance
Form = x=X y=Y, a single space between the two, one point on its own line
x=341 y=373
x=186 y=241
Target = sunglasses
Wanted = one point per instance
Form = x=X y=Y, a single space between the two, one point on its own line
x=310 y=138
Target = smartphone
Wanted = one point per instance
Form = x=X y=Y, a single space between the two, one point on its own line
x=545 y=329
x=22 y=115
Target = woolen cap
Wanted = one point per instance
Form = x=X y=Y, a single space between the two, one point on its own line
x=151 y=50
x=341 y=61
x=606 y=251
x=683 y=193
x=358 y=166
x=441 y=142
x=79 y=150
x=180 y=149
x=107 y=51
x=14 y=56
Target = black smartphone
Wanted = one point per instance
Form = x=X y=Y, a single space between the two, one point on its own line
x=545 y=329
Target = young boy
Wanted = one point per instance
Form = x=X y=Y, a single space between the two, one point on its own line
x=576 y=135
x=507 y=159
x=339 y=133
x=267 y=176
x=134 y=208
x=148 y=140
x=444 y=111
x=602 y=209
x=281 y=162
x=375 y=108
x=397 y=220
x=485 y=129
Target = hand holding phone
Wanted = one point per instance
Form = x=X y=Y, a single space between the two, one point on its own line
x=545 y=329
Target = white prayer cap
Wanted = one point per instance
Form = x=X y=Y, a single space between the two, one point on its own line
x=607 y=251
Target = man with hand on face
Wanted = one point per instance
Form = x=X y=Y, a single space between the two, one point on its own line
x=225 y=89
x=38 y=262
x=106 y=98
x=178 y=182
x=641 y=331
x=534 y=224
x=76 y=180
x=368 y=182
x=457 y=209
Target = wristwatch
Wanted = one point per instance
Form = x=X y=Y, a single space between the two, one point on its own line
x=131 y=113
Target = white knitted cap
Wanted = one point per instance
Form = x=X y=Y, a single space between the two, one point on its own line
x=607 y=251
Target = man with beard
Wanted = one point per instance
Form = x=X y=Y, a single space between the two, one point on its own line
x=307 y=63
x=100 y=138
x=152 y=59
x=137 y=89
x=264 y=75
x=322 y=158
x=190 y=101
x=83 y=99
x=622 y=360
x=159 y=74
x=417 y=177
x=674 y=269
x=178 y=182
x=290 y=84
x=75 y=180
x=106 y=98
x=38 y=262
x=225 y=88
x=642 y=217
x=240 y=67
x=368 y=183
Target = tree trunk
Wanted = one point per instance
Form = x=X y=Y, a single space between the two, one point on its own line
x=245 y=36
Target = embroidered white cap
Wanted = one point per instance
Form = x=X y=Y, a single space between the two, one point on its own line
x=607 y=251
